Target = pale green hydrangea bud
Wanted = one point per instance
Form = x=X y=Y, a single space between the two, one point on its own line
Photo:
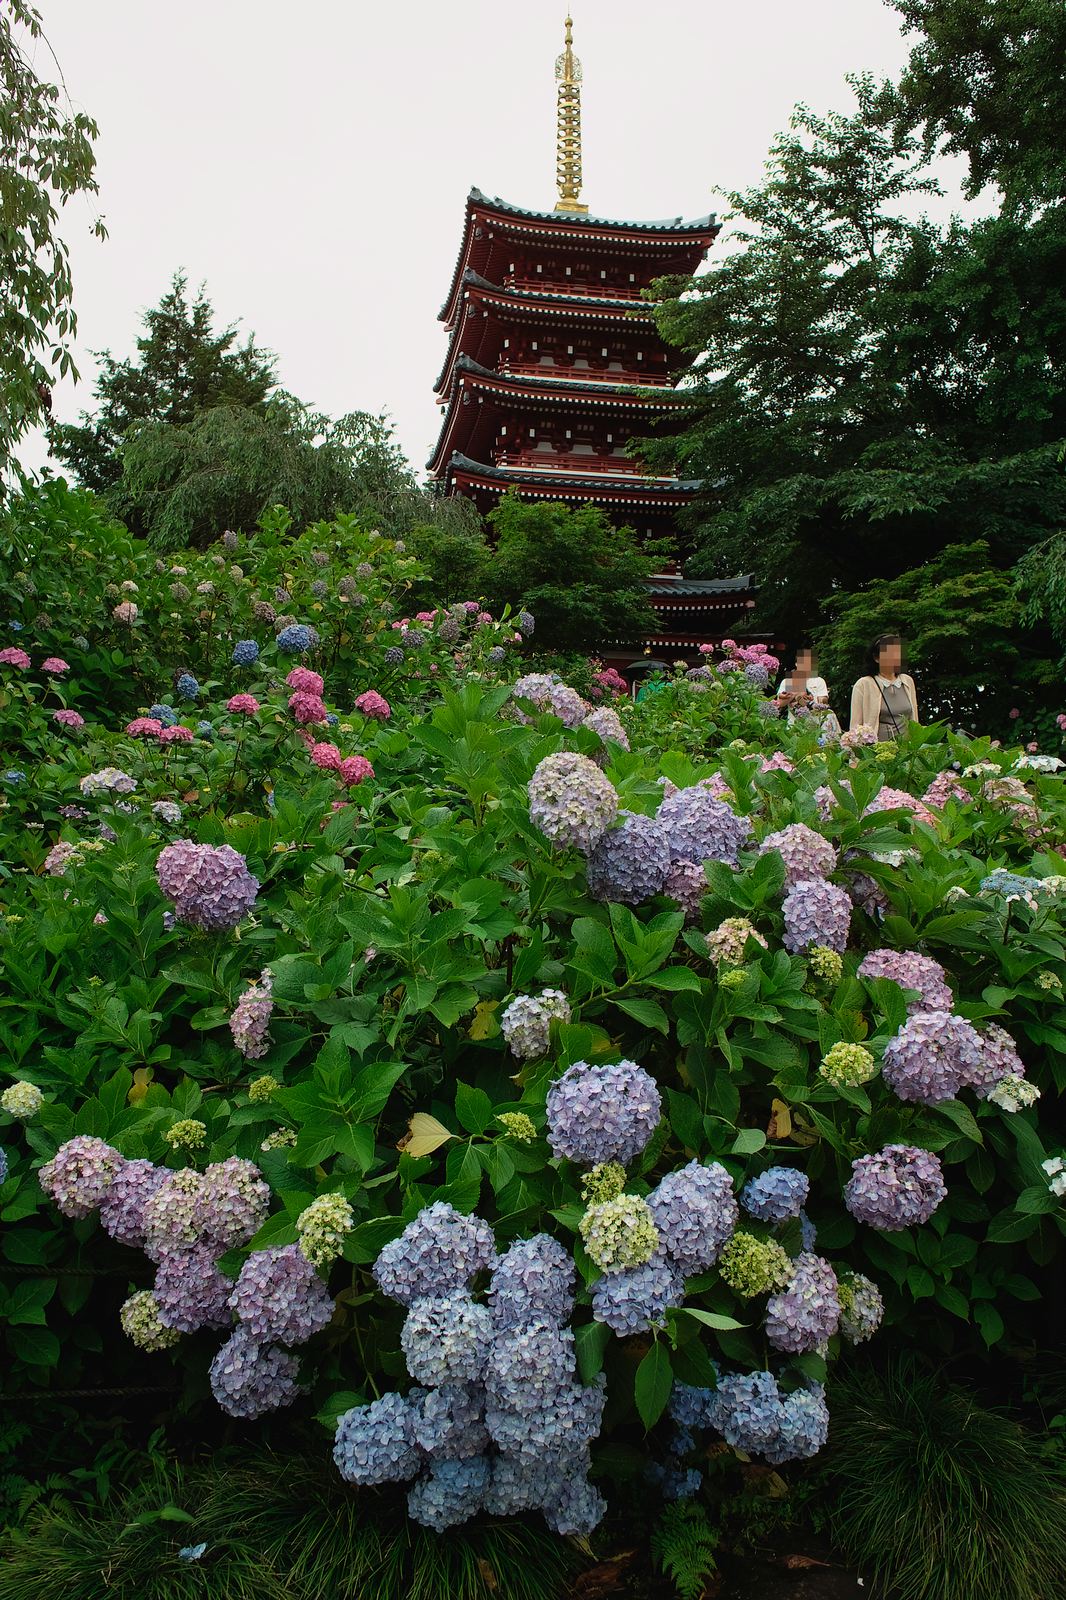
x=849 y=1064
x=825 y=965
x=517 y=1126
x=279 y=1139
x=263 y=1088
x=1049 y=981
x=754 y=1266
x=603 y=1182
x=186 y=1134
x=322 y=1227
x=733 y=980
x=619 y=1233
x=22 y=1100
x=140 y=1322
x=885 y=752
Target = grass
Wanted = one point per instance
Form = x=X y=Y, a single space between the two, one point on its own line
x=942 y=1498
x=275 y=1528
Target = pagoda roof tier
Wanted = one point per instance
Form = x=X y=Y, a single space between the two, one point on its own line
x=600 y=488
x=662 y=586
x=521 y=393
x=534 y=308
x=488 y=217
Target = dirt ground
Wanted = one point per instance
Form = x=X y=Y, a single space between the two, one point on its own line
x=809 y=1574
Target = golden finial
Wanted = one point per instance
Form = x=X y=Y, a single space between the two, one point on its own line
x=568 y=126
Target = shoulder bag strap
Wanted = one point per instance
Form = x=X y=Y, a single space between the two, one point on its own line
x=888 y=708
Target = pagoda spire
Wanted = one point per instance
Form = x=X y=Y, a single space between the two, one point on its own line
x=568 y=126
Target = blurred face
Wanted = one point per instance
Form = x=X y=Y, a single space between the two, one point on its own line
x=890 y=657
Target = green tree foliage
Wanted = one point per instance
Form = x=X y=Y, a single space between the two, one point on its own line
x=1040 y=578
x=985 y=80
x=971 y=656
x=46 y=157
x=450 y=543
x=582 y=578
x=869 y=389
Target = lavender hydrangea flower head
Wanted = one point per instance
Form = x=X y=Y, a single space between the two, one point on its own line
x=806 y=854
x=446 y=1339
x=630 y=863
x=776 y=1195
x=571 y=801
x=532 y=1280
x=80 y=1174
x=450 y=1493
x=527 y=1019
x=911 y=971
x=232 y=1203
x=897 y=1187
x=280 y=1298
x=932 y=1056
x=695 y=1212
x=249 y=1379
x=375 y=1443
x=607 y=725
x=999 y=1061
x=190 y=1290
x=686 y=882
x=803 y=1427
x=602 y=1113
x=816 y=913
x=861 y=1307
x=527 y=1365
x=210 y=885
x=619 y=1234
x=249 y=1022
x=140 y=1322
x=806 y=1313
x=701 y=828
x=449 y=1423
x=634 y=1301
x=747 y=1411
x=566 y=704
x=170 y=1217
x=122 y=1207
x=439 y=1251
x=576 y=1510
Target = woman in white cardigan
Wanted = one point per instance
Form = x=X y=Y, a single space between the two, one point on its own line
x=885 y=700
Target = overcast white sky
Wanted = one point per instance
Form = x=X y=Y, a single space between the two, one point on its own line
x=309 y=162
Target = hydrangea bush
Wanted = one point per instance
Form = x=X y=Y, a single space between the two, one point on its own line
x=447 y=1095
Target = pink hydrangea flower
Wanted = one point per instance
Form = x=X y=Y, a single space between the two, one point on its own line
x=372 y=704
x=304 y=681
x=68 y=719
x=471 y=606
x=176 y=735
x=55 y=665
x=425 y=616
x=326 y=756
x=1013 y=712
x=705 y=649
x=484 y=618
x=306 y=707
x=243 y=705
x=1061 y=720
x=1033 y=747
x=12 y=656
x=125 y=611
x=354 y=770
x=144 y=728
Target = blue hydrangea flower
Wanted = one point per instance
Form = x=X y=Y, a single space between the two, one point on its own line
x=803 y=1427
x=187 y=686
x=450 y=1493
x=14 y=776
x=439 y=1251
x=375 y=1443
x=205 y=729
x=295 y=639
x=776 y=1194
x=695 y=1213
x=634 y=1301
x=164 y=714
x=449 y=1423
x=533 y=1279
x=4 y=1168
x=598 y=1114
x=630 y=862
x=245 y=653
x=446 y=1339
x=250 y=1379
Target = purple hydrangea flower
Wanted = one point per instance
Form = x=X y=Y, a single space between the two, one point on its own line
x=526 y=1021
x=80 y=1174
x=999 y=1060
x=701 y=828
x=911 y=971
x=806 y=1313
x=932 y=1056
x=695 y=1213
x=776 y=1195
x=686 y=882
x=233 y=1202
x=446 y=1339
x=191 y=1292
x=449 y=1423
x=806 y=854
x=250 y=1020
x=210 y=885
x=533 y=1280
x=122 y=1208
x=899 y=1186
x=249 y=1379
x=170 y=1216
x=607 y=725
x=375 y=1443
x=634 y=1301
x=598 y=1114
x=816 y=912
x=439 y=1251
x=571 y=801
x=280 y=1298
x=451 y=1492
x=630 y=862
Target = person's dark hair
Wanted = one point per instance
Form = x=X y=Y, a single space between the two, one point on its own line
x=879 y=644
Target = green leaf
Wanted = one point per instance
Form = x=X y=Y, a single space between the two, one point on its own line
x=590 y=1342
x=39 y=1347
x=473 y=1108
x=367 y=1240
x=674 y=980
x=26 y=1301
x=748 y=1141
x=714 y=1319
x=649 y=1013
x=652 y=1384
x=1036 y=1201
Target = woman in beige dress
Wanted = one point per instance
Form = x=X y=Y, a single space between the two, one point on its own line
x=885 y=700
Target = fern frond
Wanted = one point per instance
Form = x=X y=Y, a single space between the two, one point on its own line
x=683 y=1543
